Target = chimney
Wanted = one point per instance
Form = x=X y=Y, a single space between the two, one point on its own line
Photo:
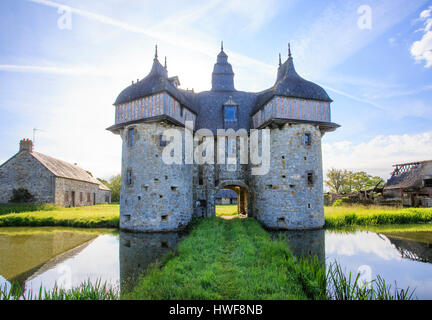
x=26 y=145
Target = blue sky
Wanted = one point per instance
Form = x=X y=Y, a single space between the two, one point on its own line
x=64 y=81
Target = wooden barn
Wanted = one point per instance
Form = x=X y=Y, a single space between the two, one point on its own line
x=411 y=183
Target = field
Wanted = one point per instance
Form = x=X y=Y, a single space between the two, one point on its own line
x=99 y=216
x=226 y=210
x=357 y=215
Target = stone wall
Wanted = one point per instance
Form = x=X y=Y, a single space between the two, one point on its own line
x=283 y=198
x=158 y=196
x=24 y=171
x=85 y=193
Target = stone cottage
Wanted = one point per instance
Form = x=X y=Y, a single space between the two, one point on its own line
x=226 y=196
x=49 y=180
x=156 y=196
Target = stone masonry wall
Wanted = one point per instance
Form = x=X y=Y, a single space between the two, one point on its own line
x=84 y=193
x=24 y=171
x=283 y=198
x=159 y=197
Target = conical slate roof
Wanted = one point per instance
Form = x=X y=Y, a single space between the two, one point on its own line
x=156 y=81
x=223 y=75
x=290 y=84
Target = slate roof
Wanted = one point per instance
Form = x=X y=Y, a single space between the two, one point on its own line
x=412 y=178
x=290 y=84
x=63 y=169
x=155 y=82
x=208 y=105
x=226 y=193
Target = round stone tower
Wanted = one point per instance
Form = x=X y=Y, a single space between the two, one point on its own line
x=155 y=195
x=297 y=113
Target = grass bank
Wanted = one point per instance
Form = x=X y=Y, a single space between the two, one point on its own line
x=233 y=259
x=99 y=216
x=25 y=207
x=357 y=215
x=226 y=210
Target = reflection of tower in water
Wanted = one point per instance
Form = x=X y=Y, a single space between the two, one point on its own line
x=138 y=251
x=307 y=243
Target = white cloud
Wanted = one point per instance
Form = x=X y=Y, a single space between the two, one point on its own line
x=77 y=71
x=377 y=155
x=421 y=50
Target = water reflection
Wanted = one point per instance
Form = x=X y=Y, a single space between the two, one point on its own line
x=139 y=250
x=304 y=243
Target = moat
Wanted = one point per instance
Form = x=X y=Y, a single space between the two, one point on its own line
x=41 y=256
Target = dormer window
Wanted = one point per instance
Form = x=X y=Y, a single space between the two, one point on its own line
x=230 y=113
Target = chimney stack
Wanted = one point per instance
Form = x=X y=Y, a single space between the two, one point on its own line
x=26 y=145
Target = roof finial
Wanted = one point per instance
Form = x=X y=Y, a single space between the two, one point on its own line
x=222 y=45
x=289 y=50
x=280 y=60
x=156 y=53
x=166 y=66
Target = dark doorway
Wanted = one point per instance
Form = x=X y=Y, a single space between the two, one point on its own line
x=73 y=198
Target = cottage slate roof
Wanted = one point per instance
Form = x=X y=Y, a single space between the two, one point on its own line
x=412 y=178
x=63 y=169
x=226 y=193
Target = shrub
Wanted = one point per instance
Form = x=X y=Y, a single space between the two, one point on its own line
x=21 y=195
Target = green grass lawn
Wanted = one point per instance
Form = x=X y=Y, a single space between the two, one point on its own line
x=226 y=210
x=99 y=216
x=230 y=259
x=374 y=215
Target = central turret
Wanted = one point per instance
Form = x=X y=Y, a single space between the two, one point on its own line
x=223 y=75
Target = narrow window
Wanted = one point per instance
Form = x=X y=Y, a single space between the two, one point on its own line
x=427 y=183
x=131 y=137
x=173 y=188
x=66 y=196
x=309 y=205
x=88 y=197
x=310 y=178
x=162 y=141
x=200 y=175
x=164 y=218
x=129 y=177
x=307 y=139
x=81 y=197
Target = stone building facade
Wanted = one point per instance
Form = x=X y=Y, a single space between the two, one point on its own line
x=50 y=180
x=157 y=196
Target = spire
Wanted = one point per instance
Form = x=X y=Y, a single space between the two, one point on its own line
x=289 y=51
x=280 y=60
x=166 y=66
x=222 y=45
x=156 y=53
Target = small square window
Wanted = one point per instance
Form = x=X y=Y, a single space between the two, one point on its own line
x=164 y=218
x=162 y=141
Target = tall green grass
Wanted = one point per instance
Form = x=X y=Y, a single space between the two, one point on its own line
x=357 y=215
x=25 y=207
x=85 y=291
x=226 y=210
x=349 y=287
x=99 y=216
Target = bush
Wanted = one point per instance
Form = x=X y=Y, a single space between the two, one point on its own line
x=21 y=195
x=337 y=203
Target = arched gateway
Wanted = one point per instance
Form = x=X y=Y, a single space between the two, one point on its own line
x=156 y=196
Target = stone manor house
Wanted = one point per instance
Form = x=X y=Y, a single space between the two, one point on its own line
x=159 y=197
x=50 y=180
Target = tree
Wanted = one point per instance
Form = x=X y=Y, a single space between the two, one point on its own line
x=344 y=181
x=115 y=185
x=336 y=180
